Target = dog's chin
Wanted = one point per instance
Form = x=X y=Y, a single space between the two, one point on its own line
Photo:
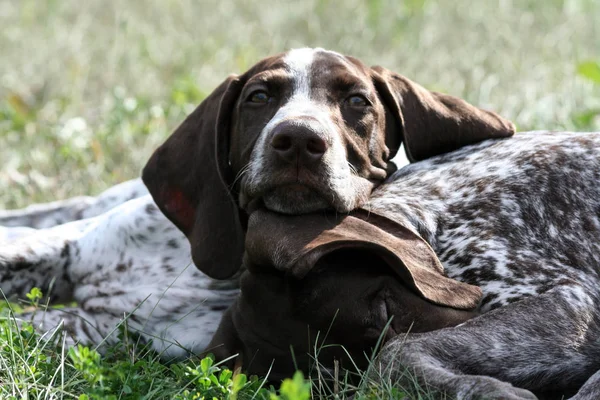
x=295 y=199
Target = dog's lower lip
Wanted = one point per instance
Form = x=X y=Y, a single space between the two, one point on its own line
x=255 y=198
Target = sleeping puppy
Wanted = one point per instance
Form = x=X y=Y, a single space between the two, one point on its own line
x=324 y=287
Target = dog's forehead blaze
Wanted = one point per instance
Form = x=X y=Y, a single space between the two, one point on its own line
x=298 y=63
x=313 y=69
x=307 y=69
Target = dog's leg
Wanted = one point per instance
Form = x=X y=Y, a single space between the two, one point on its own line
x=40 y=258
x=543 y=342
x=46 y=215
x=55 y=259
x=59 y=212
x=77 y=325
x=136 y=263
x=129 y=262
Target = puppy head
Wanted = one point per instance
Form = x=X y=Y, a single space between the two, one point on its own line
x=317 y=131
x=330 y=288
x=302 y=131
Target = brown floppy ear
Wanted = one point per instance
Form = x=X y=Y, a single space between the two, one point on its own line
x=411 y=257
x=188 y=178
x=407 y=254
x=433 y=123
x=295 y=244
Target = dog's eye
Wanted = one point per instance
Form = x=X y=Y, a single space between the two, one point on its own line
x=259 y=96
x=357 y=100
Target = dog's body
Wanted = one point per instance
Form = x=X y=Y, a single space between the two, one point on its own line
x=129 y=262
x=519 y=218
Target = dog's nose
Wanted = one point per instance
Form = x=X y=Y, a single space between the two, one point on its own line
x=296 y=143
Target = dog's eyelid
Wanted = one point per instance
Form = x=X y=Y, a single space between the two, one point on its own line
x=358 y=99
x=254 y=87
x=269 y=83
x=259 y=97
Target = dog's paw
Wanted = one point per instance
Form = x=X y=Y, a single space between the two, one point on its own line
x=472 y=387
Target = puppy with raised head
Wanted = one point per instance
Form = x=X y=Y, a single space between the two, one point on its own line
x=299 y=132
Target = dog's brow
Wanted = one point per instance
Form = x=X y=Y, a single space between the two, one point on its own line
x=270 y=76
x=347 y=83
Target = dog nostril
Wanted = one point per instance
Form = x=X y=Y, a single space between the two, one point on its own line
x=281 y=142
x=316 y=146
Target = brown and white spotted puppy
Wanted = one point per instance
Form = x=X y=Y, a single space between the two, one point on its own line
x=302 y=131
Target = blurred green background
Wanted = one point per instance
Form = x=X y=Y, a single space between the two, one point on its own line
x=89 y=88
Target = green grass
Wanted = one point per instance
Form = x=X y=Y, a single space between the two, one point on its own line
x=34 y=367
x=89 y=89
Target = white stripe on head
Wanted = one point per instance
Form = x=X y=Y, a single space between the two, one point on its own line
x=298 y=63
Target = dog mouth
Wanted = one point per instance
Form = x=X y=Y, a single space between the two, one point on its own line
x=300 y=192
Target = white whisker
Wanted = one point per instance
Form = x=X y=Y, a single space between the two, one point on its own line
x=239 y=175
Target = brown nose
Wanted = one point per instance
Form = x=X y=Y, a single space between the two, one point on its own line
x=296 y=143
